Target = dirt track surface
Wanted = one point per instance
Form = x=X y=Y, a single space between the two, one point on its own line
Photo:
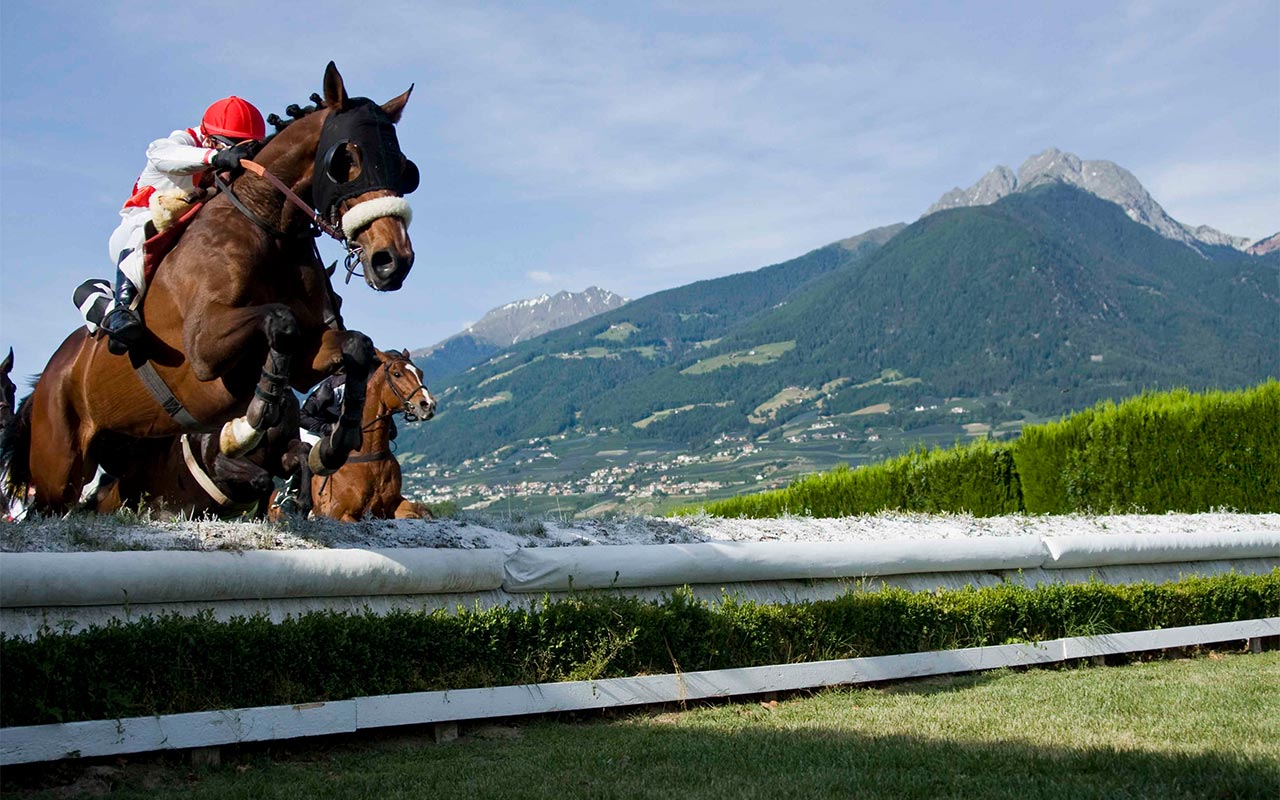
x=481 y=531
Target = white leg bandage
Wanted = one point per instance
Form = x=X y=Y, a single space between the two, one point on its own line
x=238 y=437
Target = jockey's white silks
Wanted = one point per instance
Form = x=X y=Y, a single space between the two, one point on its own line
x=172 y=167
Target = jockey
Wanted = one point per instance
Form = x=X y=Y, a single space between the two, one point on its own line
x=230 y=130
x=322 y=408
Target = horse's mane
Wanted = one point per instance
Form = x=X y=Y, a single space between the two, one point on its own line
x=295 y=112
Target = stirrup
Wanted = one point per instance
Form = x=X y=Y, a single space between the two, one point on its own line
x=124 y=330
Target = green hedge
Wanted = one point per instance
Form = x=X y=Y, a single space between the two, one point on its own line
x=1172 y=451
x=170 y=664
x=980 y=478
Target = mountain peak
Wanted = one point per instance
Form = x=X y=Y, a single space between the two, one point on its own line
x=524 y=319
x=1104 y=179
x=514 y=322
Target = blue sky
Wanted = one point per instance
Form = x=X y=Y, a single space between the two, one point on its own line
x=634 y=146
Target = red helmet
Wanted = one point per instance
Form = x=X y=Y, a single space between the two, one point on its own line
x=235 y=119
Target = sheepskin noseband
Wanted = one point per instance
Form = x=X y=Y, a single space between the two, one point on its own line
x=362 y=214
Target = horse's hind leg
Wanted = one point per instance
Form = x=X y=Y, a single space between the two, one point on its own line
x=57 y=454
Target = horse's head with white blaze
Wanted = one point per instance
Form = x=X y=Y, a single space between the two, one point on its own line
x=359 y=181
x=402 y=388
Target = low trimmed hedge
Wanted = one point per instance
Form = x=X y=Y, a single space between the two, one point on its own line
x=171 y=664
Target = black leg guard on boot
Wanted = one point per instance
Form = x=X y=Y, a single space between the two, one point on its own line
x=122 y=324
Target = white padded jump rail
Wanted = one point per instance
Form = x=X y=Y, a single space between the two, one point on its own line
x=168 y=576
x=72 y=591
x=43 y=580
x=539 y=569
x=36 y=743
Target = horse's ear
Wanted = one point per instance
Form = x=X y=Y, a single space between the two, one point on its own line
x=7 y=364
x=395 y=106
x=335 y=92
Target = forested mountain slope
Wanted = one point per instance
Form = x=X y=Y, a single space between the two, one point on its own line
x=1050 y=298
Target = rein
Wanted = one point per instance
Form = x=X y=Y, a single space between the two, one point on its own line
x=312 y=214
x=354 y=251
x=225 y=188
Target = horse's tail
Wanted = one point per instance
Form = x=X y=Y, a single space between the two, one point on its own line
x=15 y=457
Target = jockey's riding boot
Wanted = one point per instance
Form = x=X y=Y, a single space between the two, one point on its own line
x=123 y=325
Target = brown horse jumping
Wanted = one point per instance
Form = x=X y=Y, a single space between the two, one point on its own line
x=238 y=311
x=368 y=485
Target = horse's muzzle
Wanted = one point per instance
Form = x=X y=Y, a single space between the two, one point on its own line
x=426 y=410
x=386 y=269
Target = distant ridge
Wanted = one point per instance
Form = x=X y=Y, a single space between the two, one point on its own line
x=514 y=322
x=1103 y=179
x=1262 y=247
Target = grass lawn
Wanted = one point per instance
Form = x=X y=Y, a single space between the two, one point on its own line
x=1194 y=728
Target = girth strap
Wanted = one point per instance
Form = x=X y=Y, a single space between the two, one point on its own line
x=164 y=396
x=201 y=476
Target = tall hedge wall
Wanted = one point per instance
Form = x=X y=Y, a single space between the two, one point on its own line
x=1174 y=451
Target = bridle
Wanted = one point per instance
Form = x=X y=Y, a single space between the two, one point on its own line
x=406 y=406
x=337 y=229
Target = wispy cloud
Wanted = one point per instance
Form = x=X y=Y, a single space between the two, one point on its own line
x=566 y=145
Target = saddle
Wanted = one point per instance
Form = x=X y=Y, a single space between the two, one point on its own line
x=94 y=296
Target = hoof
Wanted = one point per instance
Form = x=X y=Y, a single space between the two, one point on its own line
x=317 y=465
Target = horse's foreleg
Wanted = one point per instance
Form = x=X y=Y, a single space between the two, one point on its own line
x=407 y=509
x=280 y=328
x=108 y=499
x=305 y=502
x=357 y=357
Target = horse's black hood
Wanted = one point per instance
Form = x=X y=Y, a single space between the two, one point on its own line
x=362 y=127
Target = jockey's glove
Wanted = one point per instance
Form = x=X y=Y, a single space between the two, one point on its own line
x=229 y=159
